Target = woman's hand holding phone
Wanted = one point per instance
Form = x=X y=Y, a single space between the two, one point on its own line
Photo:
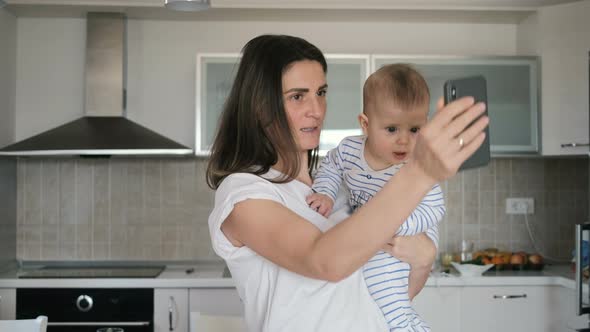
x=453 y=134
x=475 y=87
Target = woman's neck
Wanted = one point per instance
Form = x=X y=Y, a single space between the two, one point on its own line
x=303 y=175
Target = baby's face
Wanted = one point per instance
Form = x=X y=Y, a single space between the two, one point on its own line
x=391 y=132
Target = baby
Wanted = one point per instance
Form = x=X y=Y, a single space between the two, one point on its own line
x=395 y=106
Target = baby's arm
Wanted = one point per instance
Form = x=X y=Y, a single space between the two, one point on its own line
x=427 y=214
x=419 y=274
x=425 y=218
x=327 y=182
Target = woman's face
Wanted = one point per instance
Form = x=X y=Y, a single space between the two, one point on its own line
x=304 y=97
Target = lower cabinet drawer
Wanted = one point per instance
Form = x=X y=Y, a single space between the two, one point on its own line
x=216 y=301
x=439 y=307
x=507 y=309
x=7 y=303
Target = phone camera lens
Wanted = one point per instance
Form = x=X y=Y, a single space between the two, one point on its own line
x=453 y=93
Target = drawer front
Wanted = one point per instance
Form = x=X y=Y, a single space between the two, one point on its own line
x=216 y=301
x=506 y=308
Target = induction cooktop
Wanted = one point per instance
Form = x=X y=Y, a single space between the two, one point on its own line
x=93 y=272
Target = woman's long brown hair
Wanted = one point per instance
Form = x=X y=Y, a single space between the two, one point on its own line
x=254 y=132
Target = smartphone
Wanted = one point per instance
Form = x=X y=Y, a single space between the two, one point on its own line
x=475 y=87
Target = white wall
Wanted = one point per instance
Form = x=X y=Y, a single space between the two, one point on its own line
x=161 y=63
x=50 y=73
x=7 y=76
x=527 y=36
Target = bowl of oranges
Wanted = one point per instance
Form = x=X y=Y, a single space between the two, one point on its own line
x=505 y=260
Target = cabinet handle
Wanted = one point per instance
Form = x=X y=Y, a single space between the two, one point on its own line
x=506 y=297
x=171 y=310
x=574 y=145
x=130 y=324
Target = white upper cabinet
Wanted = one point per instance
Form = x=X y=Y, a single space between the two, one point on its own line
x=561 y=36
x=215 y=75
x=512 y=94
x=346 y=76
x=511 y=91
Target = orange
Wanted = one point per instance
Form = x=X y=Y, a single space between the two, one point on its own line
x=497 y=260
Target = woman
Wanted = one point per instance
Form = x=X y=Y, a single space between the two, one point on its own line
x=294 y=269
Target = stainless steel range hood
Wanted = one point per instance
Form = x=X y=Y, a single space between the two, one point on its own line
x=104 y=130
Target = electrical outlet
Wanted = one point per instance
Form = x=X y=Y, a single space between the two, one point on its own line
x=520 y=205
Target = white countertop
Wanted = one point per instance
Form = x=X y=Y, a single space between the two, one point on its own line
x=551 y=275
x=210 y=275
x=201 y=275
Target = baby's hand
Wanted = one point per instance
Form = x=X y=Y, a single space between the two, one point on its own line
x=321 y=203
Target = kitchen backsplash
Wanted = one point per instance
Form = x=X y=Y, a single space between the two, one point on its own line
x=136 y=209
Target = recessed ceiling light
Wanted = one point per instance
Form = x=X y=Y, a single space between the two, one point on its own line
x=187 y=5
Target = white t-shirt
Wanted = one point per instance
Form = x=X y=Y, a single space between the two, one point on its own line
x=276 y=299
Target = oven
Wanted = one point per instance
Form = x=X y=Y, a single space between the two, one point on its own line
x=88 y=309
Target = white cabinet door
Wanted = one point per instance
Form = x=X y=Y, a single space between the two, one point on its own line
x=568 y=320
x=506 y=309
x=171 y=310
x=439 y=307
x=216 y=301
x=8 y=303
x=563 y=42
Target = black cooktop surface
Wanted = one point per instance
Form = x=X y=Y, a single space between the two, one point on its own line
x=93 y=272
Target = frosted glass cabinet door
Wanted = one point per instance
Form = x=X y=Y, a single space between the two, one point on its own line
x=215 y=75
x=346 y=76
x=512 y=93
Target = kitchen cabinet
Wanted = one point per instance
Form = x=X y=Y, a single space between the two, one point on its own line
x=511 y=88
x=498 y=308
x=216 y=301
x=215 y=74
x=439 y=307
x=513 y=308
x=346 y=76
x=7 y=303
x=563 y=42
x=565 y=304
x=171 y=310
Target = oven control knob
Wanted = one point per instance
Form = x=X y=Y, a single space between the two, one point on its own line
x=84 y=303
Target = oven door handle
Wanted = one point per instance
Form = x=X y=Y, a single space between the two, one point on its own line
x=98 y=323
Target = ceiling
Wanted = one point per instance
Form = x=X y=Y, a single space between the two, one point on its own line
x=482 y=11
x=323 y=4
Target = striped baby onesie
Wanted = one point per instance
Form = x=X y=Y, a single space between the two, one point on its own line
x=386 y=276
